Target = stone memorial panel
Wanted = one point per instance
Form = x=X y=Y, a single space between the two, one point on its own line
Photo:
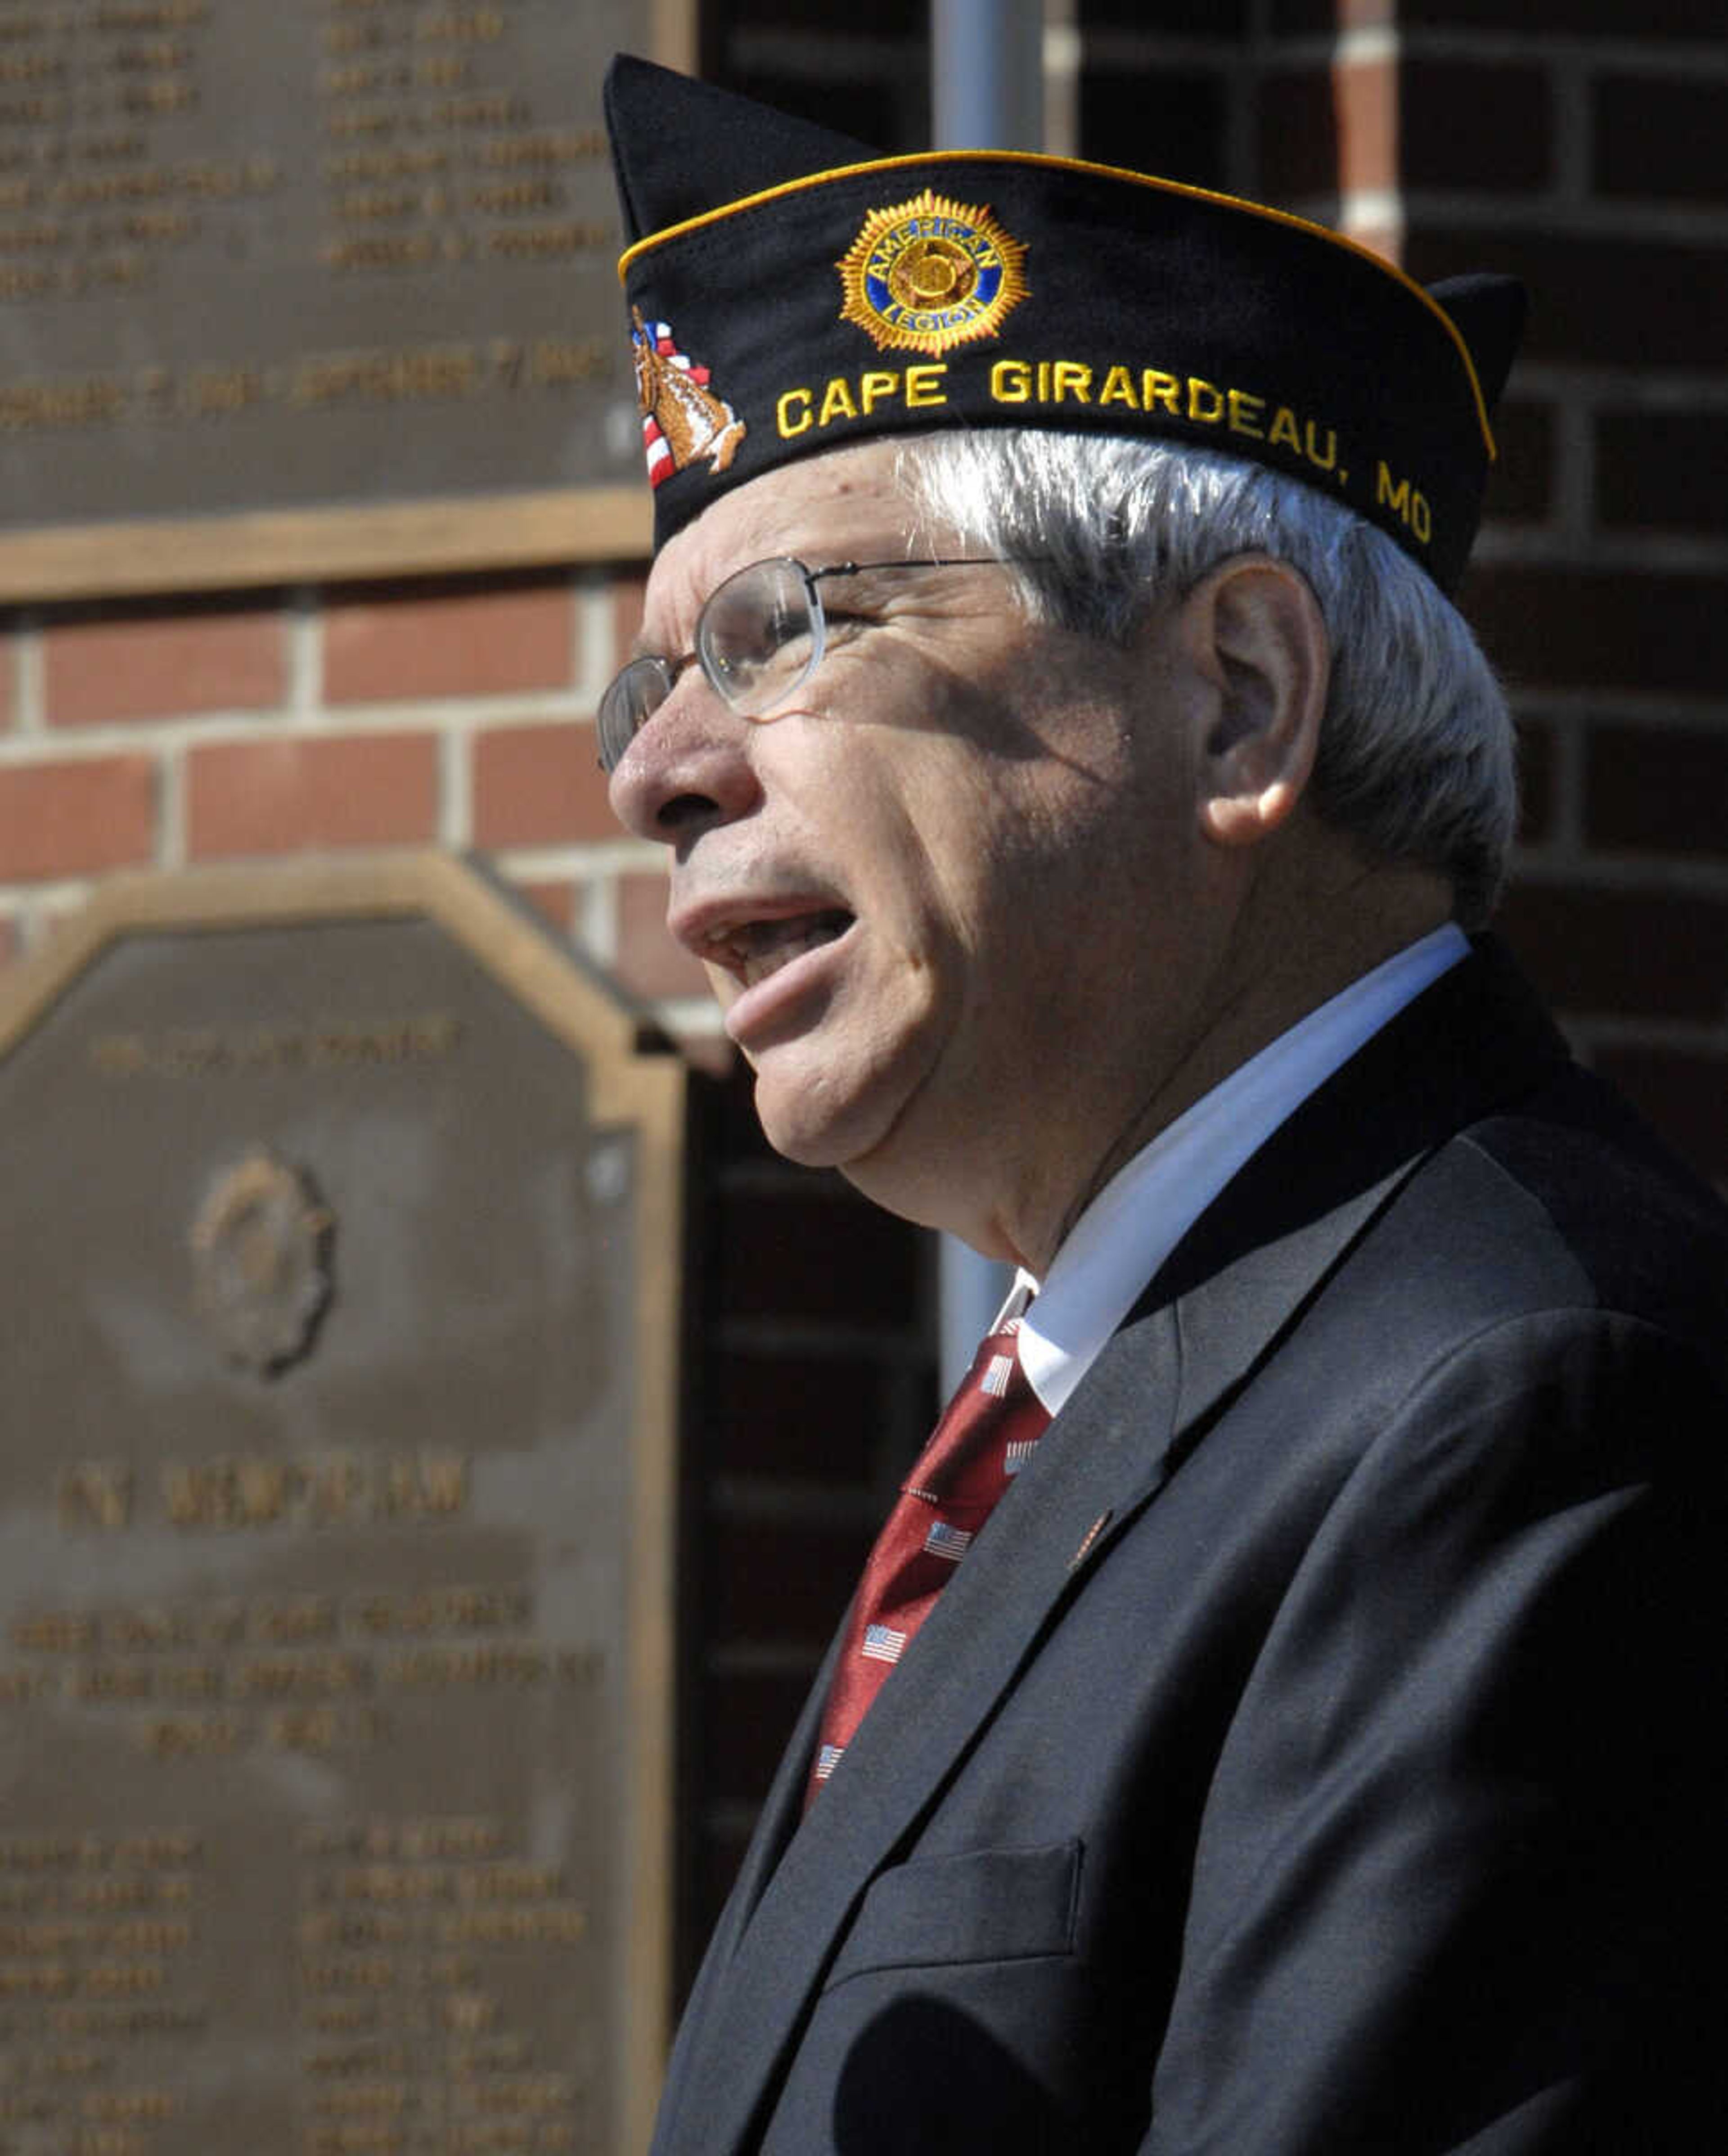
x=341 y=1221
x=257 y=261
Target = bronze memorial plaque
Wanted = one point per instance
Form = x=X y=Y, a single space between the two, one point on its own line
x=337 y=274
x=342 y=1221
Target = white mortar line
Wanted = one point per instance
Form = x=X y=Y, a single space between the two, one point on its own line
x=29 y=713
x=595 y=916
x=171 y=808
x=1569 y=106
x=305 y=654
x=592 y=661
x=455 y=787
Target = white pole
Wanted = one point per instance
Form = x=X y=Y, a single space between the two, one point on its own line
x=986 y=77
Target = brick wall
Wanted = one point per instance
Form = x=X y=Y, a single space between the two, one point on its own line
x=1579 y=146
x=456 y=713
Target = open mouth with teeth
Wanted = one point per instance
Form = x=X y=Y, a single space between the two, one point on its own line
x=755 y=949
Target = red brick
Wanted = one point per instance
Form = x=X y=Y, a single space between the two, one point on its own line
x=1468 y=124
x=1603 y=301
x=1537 y=775
x=1661 y=138
x=805 y=1418
x=1657 y=790
x=554 y=898
x=8 y=658
x=457 y=640
x=1601 y=629
x=874 y=109
x=1381 y=124
x=784 y=1582
x=59 y=819
x=539 y=786
x=1641 y=954
x=1181 y=109
x=1385 y=240
x=629 y=595
x=650 y=964
x=162 y=662
x=1659 y=469
x=749 y=1716
x=1303 y=17
x=279 y=796
x=1600 y=18
x=1175 y=19
x=1297 y=135
x=1521 y=484
x=1684 y=1097
x=892 y=16
x=1365 y=98
x=1324 y=128
x=811 y=1249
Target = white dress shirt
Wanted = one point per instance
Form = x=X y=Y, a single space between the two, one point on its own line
x=1146 y=1207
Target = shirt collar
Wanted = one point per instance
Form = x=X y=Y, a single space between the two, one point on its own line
x=1144 y=1211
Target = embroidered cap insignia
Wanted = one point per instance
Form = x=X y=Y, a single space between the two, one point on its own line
x=930 y=273
x=682 y=418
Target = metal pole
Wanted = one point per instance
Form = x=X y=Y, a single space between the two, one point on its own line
x=987 y=78
x=987 y=74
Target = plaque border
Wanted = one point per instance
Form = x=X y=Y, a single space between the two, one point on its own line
x=145 y=557
x=401 y=536
x=636 y=1077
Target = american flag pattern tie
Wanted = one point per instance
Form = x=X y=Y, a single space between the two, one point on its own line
x=985 y=1437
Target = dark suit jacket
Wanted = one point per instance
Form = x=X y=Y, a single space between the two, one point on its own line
x=1321 y=1749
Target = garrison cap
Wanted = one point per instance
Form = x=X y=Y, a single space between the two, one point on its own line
x=790 y=291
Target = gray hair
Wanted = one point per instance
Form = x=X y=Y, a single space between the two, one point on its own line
x=1415 y=759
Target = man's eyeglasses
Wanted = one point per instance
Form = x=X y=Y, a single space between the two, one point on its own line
x=760 y=636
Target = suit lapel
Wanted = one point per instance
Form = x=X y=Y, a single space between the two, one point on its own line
x=1477 y=1041
x=965 y=1656
x=1235 y=1283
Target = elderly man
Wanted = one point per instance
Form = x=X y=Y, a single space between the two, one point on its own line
x=1283 y=1713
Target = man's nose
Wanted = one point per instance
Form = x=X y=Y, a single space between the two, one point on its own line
x=688 y=766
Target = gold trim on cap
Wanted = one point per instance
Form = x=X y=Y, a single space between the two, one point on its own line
x=926 y=158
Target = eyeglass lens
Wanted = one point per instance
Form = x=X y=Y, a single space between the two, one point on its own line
x=757 y=637
x=761 y=633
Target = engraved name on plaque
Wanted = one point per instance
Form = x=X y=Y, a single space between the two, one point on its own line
x=342 y=1227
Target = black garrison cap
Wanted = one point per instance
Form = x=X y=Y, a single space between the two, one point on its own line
x=791 y=292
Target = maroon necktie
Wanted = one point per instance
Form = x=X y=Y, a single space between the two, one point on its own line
x=983 y=1440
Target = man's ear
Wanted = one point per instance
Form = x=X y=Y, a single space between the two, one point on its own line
x=1252 y=628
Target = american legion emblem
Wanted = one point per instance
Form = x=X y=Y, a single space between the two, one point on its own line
x=930 y=273
x=682 y=418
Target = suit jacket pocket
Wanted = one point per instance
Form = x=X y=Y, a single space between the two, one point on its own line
x=987 y=1905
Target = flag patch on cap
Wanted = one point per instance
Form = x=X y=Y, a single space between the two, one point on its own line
x=682 y=418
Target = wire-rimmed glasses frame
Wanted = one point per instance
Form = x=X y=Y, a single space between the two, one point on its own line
x=760 y=636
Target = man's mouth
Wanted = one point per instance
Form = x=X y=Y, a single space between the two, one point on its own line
x=754 y=950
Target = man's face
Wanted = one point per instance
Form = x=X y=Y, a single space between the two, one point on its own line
x=943 y=894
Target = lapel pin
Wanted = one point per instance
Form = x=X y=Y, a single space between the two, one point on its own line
x=1091 y=1535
